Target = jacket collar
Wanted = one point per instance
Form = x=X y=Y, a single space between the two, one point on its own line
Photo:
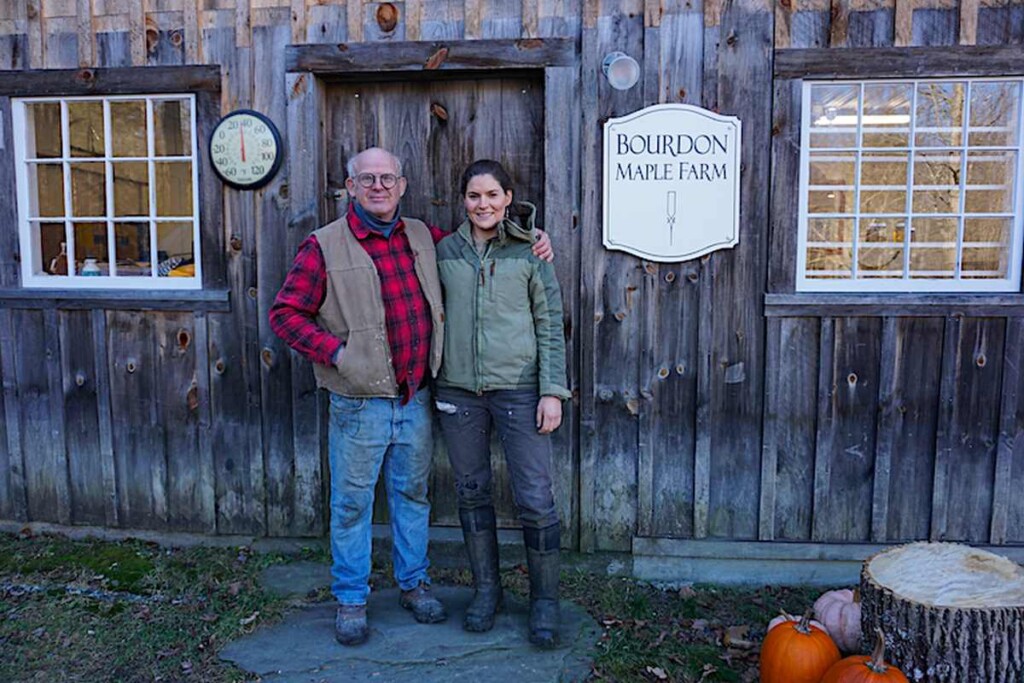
x=518 y=224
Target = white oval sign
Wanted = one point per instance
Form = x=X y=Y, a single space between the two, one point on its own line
x=671 y=182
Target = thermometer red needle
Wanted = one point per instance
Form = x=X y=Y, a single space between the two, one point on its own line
x=241 y=132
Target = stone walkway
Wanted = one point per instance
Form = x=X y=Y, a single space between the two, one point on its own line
x=302 y=649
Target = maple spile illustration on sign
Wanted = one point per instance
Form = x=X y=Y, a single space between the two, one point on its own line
x=671 y=182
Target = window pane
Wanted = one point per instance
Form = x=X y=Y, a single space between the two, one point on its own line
x=43 y=138
x=989 y=232
x=173 y=189
x=994 y=108
x=937 y=182
x=830 y=263
x=834 y=115
x=940 y=114
x=933 y=247
x=886 y=115
x=85 y=128
x=46 y=190
x=989 y=178
x=91 y=243
x=830 y=230
x=128 y=119
x=830 y=247
x=131 y=188
x=88 y=189
x=831 y=179
x=883 y=178
x=172 y=128
x=174 y=246
x=51 y=256
x=983 y=263
x=881 y=247
x=132 y=248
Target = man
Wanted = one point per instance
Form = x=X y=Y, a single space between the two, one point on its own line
x=362 y=302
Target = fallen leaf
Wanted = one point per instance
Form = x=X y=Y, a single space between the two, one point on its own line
x=657 y=672
x=699 y=624
x=209 y=617
x=234 y=588
x=687 y=592
x=660 y=639
x=708 y=670
x=249 y=619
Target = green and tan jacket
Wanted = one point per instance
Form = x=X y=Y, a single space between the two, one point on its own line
x=504 y=327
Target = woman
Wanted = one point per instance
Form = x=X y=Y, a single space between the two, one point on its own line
x=503 y=368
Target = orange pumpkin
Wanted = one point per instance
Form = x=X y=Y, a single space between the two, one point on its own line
x=864 y=669
x=797 y=652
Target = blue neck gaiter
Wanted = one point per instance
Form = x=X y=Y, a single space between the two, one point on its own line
x=374 y=223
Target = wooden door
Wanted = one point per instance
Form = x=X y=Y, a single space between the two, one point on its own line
x=438 y=128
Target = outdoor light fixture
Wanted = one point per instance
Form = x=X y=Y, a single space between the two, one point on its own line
x=621 y=70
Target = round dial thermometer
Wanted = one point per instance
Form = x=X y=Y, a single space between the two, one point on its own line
x=245 y=149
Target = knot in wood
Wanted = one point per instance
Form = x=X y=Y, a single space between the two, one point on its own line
x=670 y=277
x=86 y=76
x=680 y=369
x=184 y=339
x=981 y=360
x=79 y=379
x=620 y=316
x=437 y=59
x=439 y=112
x=130 y=366
x=606 y=395
x=192 y=398
x=252 y=293
x=267 y=356
x=218 y=367
x=663 y=373
x=731 y=40
x=236 y=243
x=176 y=38
x=387 y=17
x=851 y=379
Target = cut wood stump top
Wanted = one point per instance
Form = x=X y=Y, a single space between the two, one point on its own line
x=950 y=575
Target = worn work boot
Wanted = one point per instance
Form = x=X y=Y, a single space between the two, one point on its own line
x=425 y=607
x=480 y=531
x=542 y=560
x=350 y=624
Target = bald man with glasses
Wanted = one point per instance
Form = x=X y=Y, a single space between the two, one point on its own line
x=362 y=302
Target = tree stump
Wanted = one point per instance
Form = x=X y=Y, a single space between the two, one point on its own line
x=949 y=612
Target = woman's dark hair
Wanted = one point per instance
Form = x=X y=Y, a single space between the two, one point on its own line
x=486 y=167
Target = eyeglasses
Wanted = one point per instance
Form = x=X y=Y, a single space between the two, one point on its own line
x=368 y=180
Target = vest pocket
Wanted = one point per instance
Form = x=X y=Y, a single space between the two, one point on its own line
x=364 y=366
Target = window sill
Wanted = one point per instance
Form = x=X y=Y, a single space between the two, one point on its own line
x=813 y=304
x=217 y=300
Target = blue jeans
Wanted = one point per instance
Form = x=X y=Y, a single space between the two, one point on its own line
x=366 y=434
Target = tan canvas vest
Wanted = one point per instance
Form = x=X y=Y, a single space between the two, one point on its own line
x=353 y=310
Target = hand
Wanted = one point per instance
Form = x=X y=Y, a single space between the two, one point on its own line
x=549 y=414
x=337 y=356
x=542 y=247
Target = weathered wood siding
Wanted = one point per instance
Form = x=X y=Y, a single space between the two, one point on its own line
x=700 y=410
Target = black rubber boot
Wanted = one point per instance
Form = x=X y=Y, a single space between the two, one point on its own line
x=480 y=531
x=542 y=559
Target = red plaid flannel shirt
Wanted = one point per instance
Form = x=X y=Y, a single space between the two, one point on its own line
x=406 y=311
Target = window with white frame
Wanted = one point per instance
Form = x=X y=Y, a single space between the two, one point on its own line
x=911 y=186
x=108 y=192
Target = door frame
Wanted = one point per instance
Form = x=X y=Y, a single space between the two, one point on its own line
x=309 y=67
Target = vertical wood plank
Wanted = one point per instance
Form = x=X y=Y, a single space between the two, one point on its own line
x=233 y=356
x=531 y=18
x=81 y=411
x=907 y=423
x=104 y=417
x=205 y=477
x=793 y=410
x=885 y=436
x=872 y=26
x=275 y=257
x=299 y=21
x=769 y=449
x=243 y=23
x=785 y=176
x=16 y=478
x=193 y=36
x=1010 y=450
x=975 y=430
x=968 y=22
x=744 y=90
x=355 y=21
x=845 y=488
x=783 y=24
x=6 y=461
x=561 y=220
x=413 y=19
x=935 y=26
x=9 y=249
x=137 y=31
x=904 y=23
x=36 y=34
x=944 y=436
x=473 y=18
x=113 y=49
x=840 y=27
x=444 y=21
x=86 y=33
x=327 y=24
x=825 y=443
x=138 y=436
x=1001 y=25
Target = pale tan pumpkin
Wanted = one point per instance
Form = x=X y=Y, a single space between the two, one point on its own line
x=839 y=612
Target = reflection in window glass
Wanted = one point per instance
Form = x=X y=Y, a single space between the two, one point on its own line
x=989 y=182
x=92 y=257
x=994 y=113
x=88 y=189
x=128 y=120
x=132 y=248
x=834 y=115
x=883 y=182
x=131 y=188
x=43 y=139
x=940 y=114
x=172 y=123
x=85 y=128
x=886 y=121
x=46 y=200
x=173 y=188
x=936 y=182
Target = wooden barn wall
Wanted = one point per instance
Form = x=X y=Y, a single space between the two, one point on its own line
x=723 y=423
